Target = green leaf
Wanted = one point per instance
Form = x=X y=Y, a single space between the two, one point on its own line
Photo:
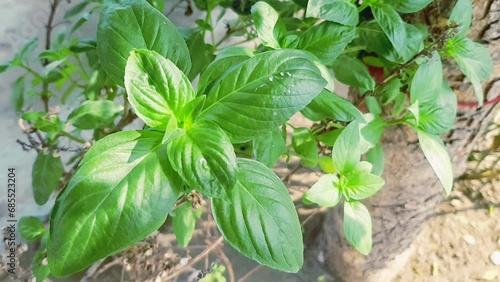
x=26 y=50
x=474 y=60
x=330 y=105
x=409 y=6
x=262 y=93
x=5 y=67
x=326 y=40
x=205 y=159
x=201 y=54
x=268 y=24
x=184 y=221
x=427 y=81
x=128 y=24
x=31 y=228
x=75 y=10
x=371 y=132
x=462 y=15
x=438 y=117
x=414 y=109
x=47 y=170
x=268 y=148
x=357 y=75
x=158 y=4
x=121 y=193
x=83 y=45
x=95 y=114
x=435 y=152
x=325 y=192
x=18 y=94
x=339 y=11
x=373 y=105
x=305 y=146
x=329 y=138
x=156 y=88
x=361 y=185
x=393 y=27
x=259 y=219
x=39 y=268
x=358 y=226
x=217 y=69
x=346 y=150
x=376 y=157
x=390 y=91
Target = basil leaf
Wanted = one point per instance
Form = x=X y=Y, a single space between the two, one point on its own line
x=128 y=24
x=346 y=150
x=438 y=117
x=409 y=6
x=262 y=93
x=357 y=75
x=121 y=193
x=330 y=105
x=462 y=15
x=259 y=219
x=201 y=54
x=268 y=24
x=217 y=69
x=18 y=94
x=304 y=144
x=268 y=148
x=47 y=170
x=326 y=40
x=358 y=226
x=31 y=228
x=325 y=192
x=376 y=157
x=474 y=60
x=435 y=152
x=361 y=185
x=205 y=159
x=158 y=4
x=95 y=114
x=427 y=81
x=184 y=222
x=156 y=88
x=338 y=11
x=392 y=25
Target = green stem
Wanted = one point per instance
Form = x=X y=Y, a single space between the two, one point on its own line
x=72 y=137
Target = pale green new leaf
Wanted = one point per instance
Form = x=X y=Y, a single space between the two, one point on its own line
x=205 y=159
x=184 y=222
x=262 y=93
x=427 y=81
x=268 y=24
x=156 y=88
x=304 y=144
x=326 y=40
x=129 y=24
x=358 y=226
x=122 y=191
x=435 y=152
x=47 y=170
x=376 y=157
x=356 y=74
x=346 y=150
x=259 y=219
x=361 y=185
x=324 y=192
x=474 y=60
x=462 y=15
x=95 y=114
x=268 y=148
x=438 y=116
x=338 y=11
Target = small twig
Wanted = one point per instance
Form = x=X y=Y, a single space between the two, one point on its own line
x=250 y=273
x=174 y=7
x=286 y=178
x=311 y=216
x=196 y=259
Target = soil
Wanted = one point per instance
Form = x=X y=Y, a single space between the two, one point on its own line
x=460 y=243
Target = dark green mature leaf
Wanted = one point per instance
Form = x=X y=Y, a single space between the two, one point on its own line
x=409 y=6
x=47 y=170
x=392 y=25
x=435 y=152
x=414 y=44
x=268 y=148
x=201 y=54
x=358 y=226
x=326 y=40
x=128 y=24
x=390 y=91
x=474 y=60
x=5 y=67
x=121 y=193
x=304 y=144
x=346 y=150
x=428 y=80
x=184 y=222
x=83 y=45
x=259 y=219
x=95 y=114
x=339 y=11
x=330 y=105
x=205 y=159
x=156 y=88
x=262 y=93
x=18 y=94
x=462 y=15
x=325 y=192
x=361 y=185
x=75 y=10
x=31 y=228
x=268 y=24
x=356 y=74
